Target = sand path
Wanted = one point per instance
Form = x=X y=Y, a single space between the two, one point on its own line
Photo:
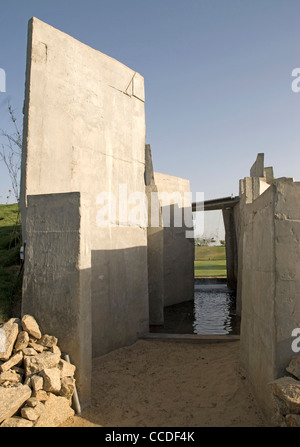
x=165 y=384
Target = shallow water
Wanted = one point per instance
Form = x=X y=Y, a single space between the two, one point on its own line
x=214 y=309
x=211 y=312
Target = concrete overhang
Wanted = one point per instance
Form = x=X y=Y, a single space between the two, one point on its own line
x=216 y=204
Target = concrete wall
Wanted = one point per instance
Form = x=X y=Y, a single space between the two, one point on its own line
x=269 y=284
x=178 y=249
x=57 y=276
x=84 y=131
x=250 y=188
x=230 y=224
x=155 y=253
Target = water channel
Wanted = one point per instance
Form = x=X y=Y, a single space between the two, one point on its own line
x=211 y=312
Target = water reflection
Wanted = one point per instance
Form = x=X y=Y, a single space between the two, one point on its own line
x=211 y=312
x=214 y=309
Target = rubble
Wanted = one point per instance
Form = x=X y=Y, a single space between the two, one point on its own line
x=294 y=367
x=11 y=330
x=30 y=325
x=36 y=383
x=286 y=396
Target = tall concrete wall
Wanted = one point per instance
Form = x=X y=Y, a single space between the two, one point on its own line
x=178 y=249
x=269 y=281
x=84 y=131
x=250 y=188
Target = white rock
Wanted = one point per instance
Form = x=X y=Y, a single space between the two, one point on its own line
x=51 y=378
x=41 y=395
x=56 y=411
x=66 y=368
x=14 y=360
x=11 y=376
x=22 y=341
x=294 y=367
x=32 y=402
x=55 y=349
x=16 y=422
x=48 y=341
x=287 y=390
x=29 y=413
x=8 y=335
x=292 y=420
x=30 y=325
x=32 y=344
x=35 y=364
x=67 y=387
x=12 y=399
x=29 y=351
x=36 y=382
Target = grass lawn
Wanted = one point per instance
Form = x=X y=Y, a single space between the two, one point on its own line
x=210 y=261
x=10 y=242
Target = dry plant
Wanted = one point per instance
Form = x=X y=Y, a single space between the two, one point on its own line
x=10 y=154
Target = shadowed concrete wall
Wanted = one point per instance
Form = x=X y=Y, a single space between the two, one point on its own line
x=230 y=224
x=57 y=277
x=270 y=285
x=178 y=249
x=250 y=188
x=84 y=130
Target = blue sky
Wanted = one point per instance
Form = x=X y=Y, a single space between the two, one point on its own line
x=217 y=78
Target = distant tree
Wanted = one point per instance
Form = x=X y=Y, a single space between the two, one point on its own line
x=204 y=241
x=11 y=152
x=222 y=243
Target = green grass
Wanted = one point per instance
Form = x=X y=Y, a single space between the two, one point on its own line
x=210 y=261
x=10 y=242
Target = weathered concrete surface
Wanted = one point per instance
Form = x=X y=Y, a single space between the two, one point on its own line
x=84 y=131
x=270 y=284
x=257 y=169
x=155 y=248
x=178 y=249
x=56 y=286
x=250 y=188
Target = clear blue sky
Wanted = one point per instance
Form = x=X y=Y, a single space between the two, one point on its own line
x=217 y=78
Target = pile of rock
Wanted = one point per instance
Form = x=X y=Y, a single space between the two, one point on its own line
x=36 y=382
x=286 y=392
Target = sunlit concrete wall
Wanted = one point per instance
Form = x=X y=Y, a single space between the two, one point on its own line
x=269 y=283
x=84 y=131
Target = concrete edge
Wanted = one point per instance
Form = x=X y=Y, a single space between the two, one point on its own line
x=190 y=338
x=210 y=280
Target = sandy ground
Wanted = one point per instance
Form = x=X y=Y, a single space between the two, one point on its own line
x=165 y=384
